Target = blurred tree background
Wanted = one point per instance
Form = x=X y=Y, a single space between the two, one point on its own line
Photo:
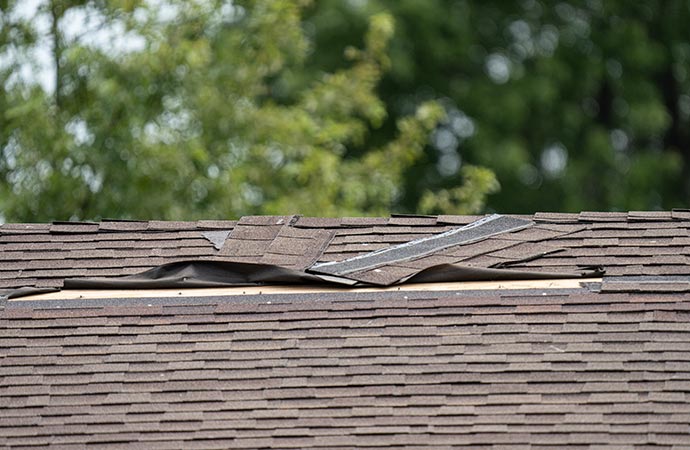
x=208 y=108
x=575 y=105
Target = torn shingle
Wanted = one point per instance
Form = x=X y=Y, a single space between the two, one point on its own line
x=481 y=229
x=217 y=237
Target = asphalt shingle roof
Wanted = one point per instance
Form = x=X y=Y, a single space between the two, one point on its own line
x=605 y=365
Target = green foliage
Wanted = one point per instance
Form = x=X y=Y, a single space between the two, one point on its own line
x=211 y=115
x=464 y=199
x=575 y=105
x=278 y=106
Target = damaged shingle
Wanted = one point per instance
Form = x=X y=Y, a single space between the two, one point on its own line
x=217 y=238
x=591 y=365
x=478 y=230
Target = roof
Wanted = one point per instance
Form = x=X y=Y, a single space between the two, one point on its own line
x=605 y=362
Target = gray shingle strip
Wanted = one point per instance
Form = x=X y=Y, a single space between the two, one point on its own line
x=216 y=237
x=645 y=246
x=479 y=230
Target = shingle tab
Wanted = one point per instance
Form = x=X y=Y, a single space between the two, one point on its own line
x=365 y=368
x=74 y=227
x=551 y=217
x=318 y=222
x=600 y=366
x=123 y=225
x=24 y=228
x=456 y=220
x=266 y=220
x=680 y=214
x=632 y=246
x=593 y=216
x=408 y=220
x=652 y=216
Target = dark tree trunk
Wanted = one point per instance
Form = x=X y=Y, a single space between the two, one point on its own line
x=55 y=14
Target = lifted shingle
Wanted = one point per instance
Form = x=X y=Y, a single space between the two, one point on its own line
x=476 y=231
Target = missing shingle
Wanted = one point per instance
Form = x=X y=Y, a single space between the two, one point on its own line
x=216 y=237
x=476 y=231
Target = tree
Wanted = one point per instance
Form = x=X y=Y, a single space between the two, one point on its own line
x=574 y=105
x=187 y=109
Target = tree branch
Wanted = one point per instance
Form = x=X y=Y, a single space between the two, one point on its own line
x=55 y=14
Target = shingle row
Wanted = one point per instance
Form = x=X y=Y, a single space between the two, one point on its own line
x=434 y=369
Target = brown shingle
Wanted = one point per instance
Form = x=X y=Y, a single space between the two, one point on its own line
x=161 y=225
x=680 y=214
x=266 y=220
x=550 y=217
x=575 y=368
x=411 y=220
x=216 y=224
x=317 y=222
x=456 y=220
x=24 y=228
x=592 y=216
x=122 y=225
x=74 y=227
x=652 y=216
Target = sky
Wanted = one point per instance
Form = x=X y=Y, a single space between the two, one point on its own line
x=84 y=25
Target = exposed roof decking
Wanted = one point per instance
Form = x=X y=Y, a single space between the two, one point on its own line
x=43 y=255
